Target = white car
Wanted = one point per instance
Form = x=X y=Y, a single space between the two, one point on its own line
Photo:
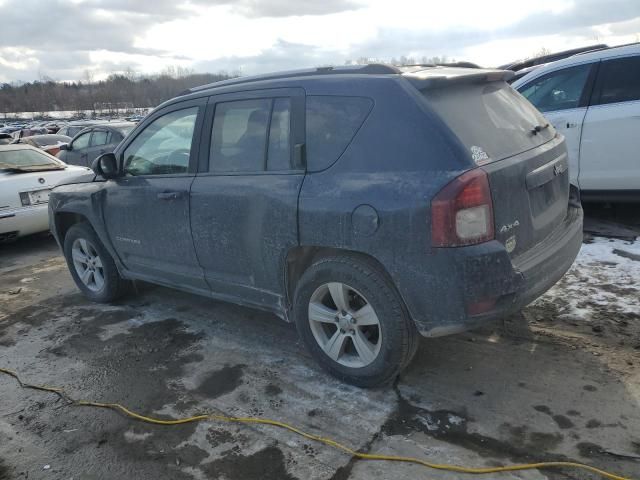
x=27 y=175
x=593 y=99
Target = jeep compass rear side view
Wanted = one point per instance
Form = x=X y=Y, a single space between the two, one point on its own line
x=369 y=205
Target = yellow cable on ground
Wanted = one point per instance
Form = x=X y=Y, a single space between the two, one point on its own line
x=326 y=441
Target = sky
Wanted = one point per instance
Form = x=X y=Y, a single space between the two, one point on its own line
x=79 y=39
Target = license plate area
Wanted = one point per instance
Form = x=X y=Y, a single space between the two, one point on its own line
x=35 y=197
x=548 y=189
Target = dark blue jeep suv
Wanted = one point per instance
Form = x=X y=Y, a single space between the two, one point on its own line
x=367 y=204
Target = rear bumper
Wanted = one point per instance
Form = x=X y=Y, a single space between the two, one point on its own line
x=486 y=277
x=23 y=221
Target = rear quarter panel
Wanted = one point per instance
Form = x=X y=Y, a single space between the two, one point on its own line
x=376 y=198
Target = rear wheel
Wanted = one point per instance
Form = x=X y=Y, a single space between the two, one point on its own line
x=91 y=265
x=353 y=321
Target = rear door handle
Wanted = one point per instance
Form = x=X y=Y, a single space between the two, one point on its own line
x=170 y=195
x=571 y=125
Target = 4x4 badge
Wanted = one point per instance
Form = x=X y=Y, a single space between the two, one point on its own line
x=509 y=226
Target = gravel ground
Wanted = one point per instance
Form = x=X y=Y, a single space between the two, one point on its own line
x=560 y=381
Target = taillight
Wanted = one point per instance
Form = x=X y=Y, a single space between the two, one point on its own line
x=462 y=212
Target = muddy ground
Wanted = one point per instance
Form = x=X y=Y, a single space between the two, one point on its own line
x=561 y=381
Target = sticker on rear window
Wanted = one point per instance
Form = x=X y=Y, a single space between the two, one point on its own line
x=479 y=155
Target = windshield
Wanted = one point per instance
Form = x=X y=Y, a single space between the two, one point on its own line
x=27 y=160
x=492 y=120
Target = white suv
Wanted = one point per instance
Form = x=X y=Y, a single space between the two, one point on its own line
x=593 y=99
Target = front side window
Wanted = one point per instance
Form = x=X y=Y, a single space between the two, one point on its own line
x=251 y=136
x=164 y=146
x=82 y=141
x=619 y=80
x=559 y=90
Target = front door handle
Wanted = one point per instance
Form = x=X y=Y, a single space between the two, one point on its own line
x=170 y=195
x=571 y=125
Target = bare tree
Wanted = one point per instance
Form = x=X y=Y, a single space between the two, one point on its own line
x=120 y=90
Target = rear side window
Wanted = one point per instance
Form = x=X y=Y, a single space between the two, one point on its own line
x=331 y=124
x=492 y=120
x=619 y=80
x=251 y=136
x=560 y=90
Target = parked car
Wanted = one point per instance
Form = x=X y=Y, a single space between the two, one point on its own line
x=518 y=65
x=29 y=132
x=5 y=138
x=48 y=143
x=522 y=72
x=368 y=204
x=92 y=142
x=593 y=99
x=27 y=175
x=73 y=128
x=52 y=127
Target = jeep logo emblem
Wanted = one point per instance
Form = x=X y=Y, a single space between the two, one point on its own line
x=558 y=169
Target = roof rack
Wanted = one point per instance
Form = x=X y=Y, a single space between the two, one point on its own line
x=606 y=47
x=369 y=69
x=552 y=57
x=461 y=64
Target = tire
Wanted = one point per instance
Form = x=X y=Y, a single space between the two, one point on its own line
x=366 y=354
x=82 y=241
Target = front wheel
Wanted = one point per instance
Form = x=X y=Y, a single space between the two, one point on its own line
x=91 y=265
x=351 y=318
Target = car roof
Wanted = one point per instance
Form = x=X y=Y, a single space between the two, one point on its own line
x=518 y=65
x=581 y=58
x=421 y=76
x=370 y=69
x=109 y=126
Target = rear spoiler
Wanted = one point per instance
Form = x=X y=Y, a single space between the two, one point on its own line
x=440 y=77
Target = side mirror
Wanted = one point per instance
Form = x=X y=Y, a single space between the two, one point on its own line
x=65 y=146
x=105 y=166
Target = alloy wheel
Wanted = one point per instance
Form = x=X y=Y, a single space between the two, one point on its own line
x=88 y=264
x=345 y=325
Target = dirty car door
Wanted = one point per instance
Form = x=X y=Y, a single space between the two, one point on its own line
x=147 y=209
x=244 y=199
x=77 y=154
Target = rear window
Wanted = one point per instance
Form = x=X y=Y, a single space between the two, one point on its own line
x=332 y=122
x=28 y=160
x=492 y=120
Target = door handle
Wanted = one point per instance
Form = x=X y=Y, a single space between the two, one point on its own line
x=571 y=125
x=170 y=195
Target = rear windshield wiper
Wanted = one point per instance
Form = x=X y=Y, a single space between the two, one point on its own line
x=538 y=128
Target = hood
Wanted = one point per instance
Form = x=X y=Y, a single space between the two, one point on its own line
x=83 y=175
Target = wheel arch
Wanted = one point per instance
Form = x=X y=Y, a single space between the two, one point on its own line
x=301 y=257
x=63 y=221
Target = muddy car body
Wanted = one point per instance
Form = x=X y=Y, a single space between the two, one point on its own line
x=367 y=204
